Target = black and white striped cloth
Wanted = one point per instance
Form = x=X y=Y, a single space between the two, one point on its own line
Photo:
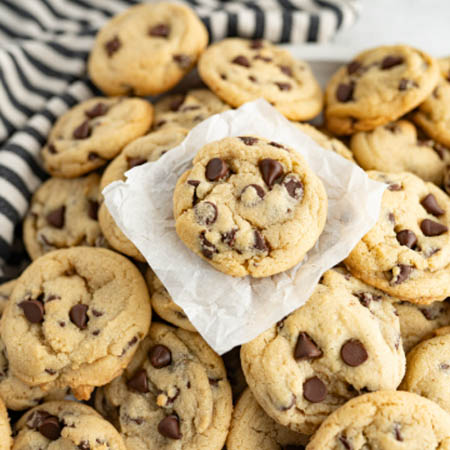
x=43 y=48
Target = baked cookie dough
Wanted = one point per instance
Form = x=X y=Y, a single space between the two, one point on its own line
x=5 y=428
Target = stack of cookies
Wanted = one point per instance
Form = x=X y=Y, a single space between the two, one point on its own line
x=364 y=364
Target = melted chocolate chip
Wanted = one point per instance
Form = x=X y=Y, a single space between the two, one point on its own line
x=136 y=161
x=33 y=310
x=353 y=67
x=365 y=298
x=205 y=213
x=78 y=315
x=241 y=60
x=92 y=156
x=184 y=61
x=432 y=206
x=314 y=390
x=294 y=186
x=344 y=92
x=397 y=433
x=112 y=46
x=407 y=238
x=229 y=238
x=176 y=103
x=83 y=131
x=216 y=169
x=50 y=428
x=93 y=209
x=270 y=170
x=36 y=418
x=139 y=381
x=160 y=30
x=431 y=228
x=52 y=149
x=55 y=218
x=84 y=445
x=277 y=145
x=160 y=356
x=405 y=84
x=248 y=140
x=260 y=243
x=258 y=189
x=252 y=78
x=403 y=274
x=391 y=61
x=100 y=109
x=283 y=86
x=306 y=348
x=345 y=442
x=97 y=313
x=207 y=247
x=194 y=183
x=263 y=58
x=286 y=70
x=169 y=427
x=353 y=353
x=256 y=45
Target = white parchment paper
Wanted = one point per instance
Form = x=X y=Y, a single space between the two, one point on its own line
x=230 y=311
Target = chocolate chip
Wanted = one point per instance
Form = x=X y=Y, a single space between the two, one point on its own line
x=160 y=30
x=392 y=127
x=365 y=298
x=176 y=103
x=277 y=145
x=93 y=209
x=52 y=149
x=263 y=58
x=440 y=150
x=407 y=238
x=36 y=418
x=78 y=315
x=136 y=161
x=160 y=356
x=259 y=190
x=294 y=186
x=205 y=213
x=403 y=274
x=431 y=205
x=184 y=61
x=431 y=228
x=391 y=61
x=345 y=442
x=207 y=247
x=194 y=183
x=92 y=156
x=248 y=140
x=256 y=45
x=395 y=187
x=99 y=109
x=270 y=170
x=223 y=76
x=84 y=445
x=306 y=348
x=97 y=313
x=252 y=78
x=170 y=427
x=283 y=86
x=55 y=218
x=83 y=130
x=353 y=353
x=50 y=371
x=344 y=92
x=391 y=218
x=139 y=381
x=50 y=428
x=229 y=237
x=112 y=46
x=314 y=390
x=216 y=169
x=241 y=60
x=33 y=310
x=397 y=433
x=444 y=366
x=353 y=67
x=405 y=84
x=286 y=70
x=260 y=242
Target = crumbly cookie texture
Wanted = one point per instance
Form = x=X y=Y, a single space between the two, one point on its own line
x=301 y=369
x=378 y=86
x=187 y=110
x=173 y=395
x=163 y=304
x=144 y=149
x=249 y=206
x=64 y=213
x=396 y=147
x=385 y=420
x=239 y=71
x=75 y=319
x=251 y=428
x=93 y=132
x=407 y=252
x=147 y=49
x=5 y=429
x=418 y=322
x=428 y=370
x=65 y=425
x=433 y=115
x=327 y=142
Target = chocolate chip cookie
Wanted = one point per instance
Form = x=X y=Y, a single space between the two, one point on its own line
x=302 y=369
x=173 y=395
x=385 y=420
x=142 y=150
x=249 y=206
x=65 y=425
x=251 y=428
x=5 y=429
x=407 y=252
x=93 y=132
x=146 y=49
x=433 y=114
x=396 y=147
x=187 y=110
x=239 y=71
x=75 y=319
x=63 y=214
x=428 y=370
x=378 y=86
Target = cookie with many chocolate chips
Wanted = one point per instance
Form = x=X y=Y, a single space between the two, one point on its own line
x=5 y=428
x=239 y=71
x=63 y=214
x=377 y=87
x=146 y=49
x=187 y=110
x=433 y=115
x=301 y=369
x=396 y=147
x=407 y=252
x=93 y=132
x=145 y=149
x=75 y=319
x=249 y=206
x=65 y=425
x=173 y=395
x=385 y=420
x=163 y=304
x=428 y=370
x=251 y=428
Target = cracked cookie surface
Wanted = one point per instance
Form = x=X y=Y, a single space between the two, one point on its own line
x=239 y=71
x=173 y=395
x=147 y=49
x=407 y=252
x=249 y=206
x=75 y=319
x=377 y=87
x=301 y=369
x=93 y=132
